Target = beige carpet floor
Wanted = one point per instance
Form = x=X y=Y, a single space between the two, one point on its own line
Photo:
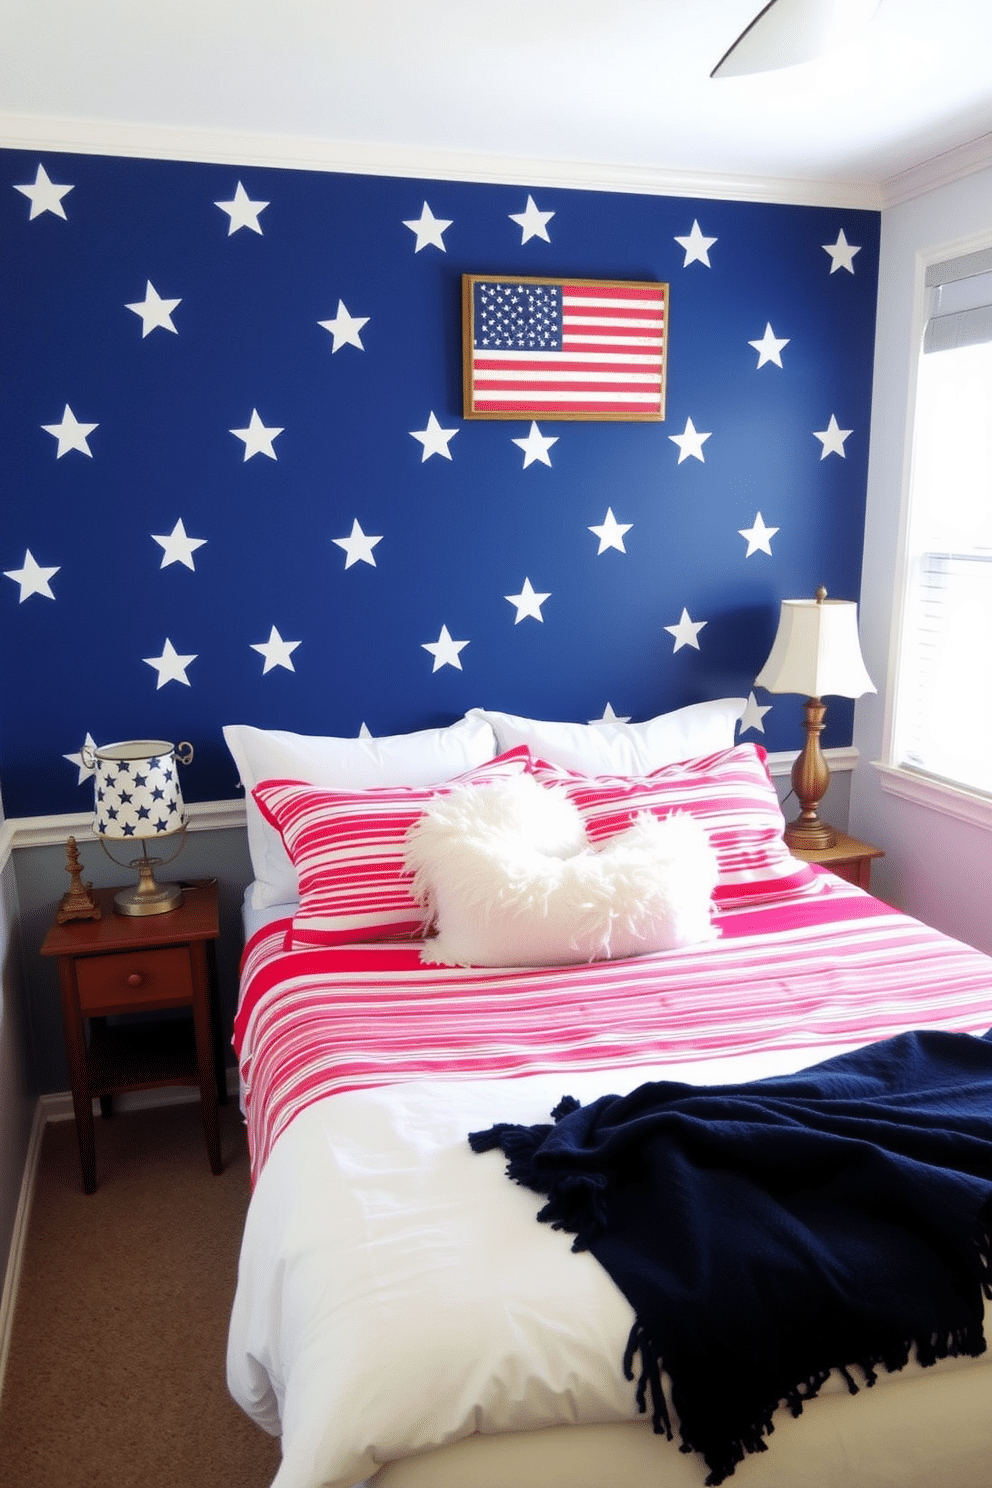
x=115 y=1377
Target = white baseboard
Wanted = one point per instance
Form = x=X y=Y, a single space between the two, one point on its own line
x=58 y=1107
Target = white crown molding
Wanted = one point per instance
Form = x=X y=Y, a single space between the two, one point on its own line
x=103 y=137
x=51 y=831
x=942 y=170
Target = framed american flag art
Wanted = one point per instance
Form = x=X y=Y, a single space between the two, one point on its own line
x=564 y=348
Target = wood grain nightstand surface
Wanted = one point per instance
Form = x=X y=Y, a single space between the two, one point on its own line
x=123 y=964
x=848 y=858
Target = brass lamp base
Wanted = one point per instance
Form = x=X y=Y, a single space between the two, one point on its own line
x=810 y=781
x=147 y=897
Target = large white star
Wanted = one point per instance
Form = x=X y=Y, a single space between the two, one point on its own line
x=534 y=224
x=177 y=547
x=358 y=546
x=434 y=439
x=276 y=651
x=832 y=438
x=686 y=631
x=769 y=348
x=753 y=714
x=690 y=442
x=759 y=537
x=85 y=771
x=696 y=247
x=345 y=328
x=257 y=438
x=536 y=446
x=44 y=195
x=242 y=211
x=444 y=650
x=610 y=532
x=154 y=311
x=71 y=434
x=841 y=254
x=32 y=578
x=428 y=229
x=171 y=667
x=609 y=716
x=527 y=602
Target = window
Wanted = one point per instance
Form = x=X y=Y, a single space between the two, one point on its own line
x=943 y=717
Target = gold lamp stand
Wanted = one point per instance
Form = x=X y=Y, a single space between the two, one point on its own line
x=810 y=782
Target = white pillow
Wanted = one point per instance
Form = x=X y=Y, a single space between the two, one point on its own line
x=426 y=757
x=622 y=748
x=510 y=881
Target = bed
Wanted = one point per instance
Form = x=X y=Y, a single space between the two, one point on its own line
x=401 y=1319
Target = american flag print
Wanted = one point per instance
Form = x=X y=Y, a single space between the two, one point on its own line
x=567 y=349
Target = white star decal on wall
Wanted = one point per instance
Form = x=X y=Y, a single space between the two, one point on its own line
x=85 y=771
x=611 y=532
x=769 y=348
x=686 y=632
x=528 y=603
x=434 y=439
x=257 y=438
x=171 y=667
x=759 y=537
x=832 y=438
x=841 y=254
x=32 y=578
x=177 y=547
x=690 y=442
x=242 y=211
x=533 y=224
x=276 y=651
x=753 y=714
x=609 y=716
x=45 y=195
x=358 y=546
x=345 y=328
x=154 y=311
x=444 y=650
x=536 y=446
x=428 y=229
x=697 y=247
x=71 y=434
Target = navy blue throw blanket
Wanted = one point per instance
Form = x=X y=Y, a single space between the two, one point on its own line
x=767 y=1233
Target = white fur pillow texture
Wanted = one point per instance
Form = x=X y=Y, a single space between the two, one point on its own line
x=506 y=873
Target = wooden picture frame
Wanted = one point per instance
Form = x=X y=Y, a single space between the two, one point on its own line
x=543 y=348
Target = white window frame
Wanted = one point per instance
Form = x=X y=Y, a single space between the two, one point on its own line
x=943 y=796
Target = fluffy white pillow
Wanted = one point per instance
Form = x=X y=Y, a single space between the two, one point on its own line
x=427 y=757
x=507 y=876
x=622 y=748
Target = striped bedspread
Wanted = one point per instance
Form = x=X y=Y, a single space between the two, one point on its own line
x=823 y=968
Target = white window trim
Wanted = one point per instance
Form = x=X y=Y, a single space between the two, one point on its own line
x=896 y=780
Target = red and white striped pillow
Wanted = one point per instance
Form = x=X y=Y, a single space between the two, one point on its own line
x=348 y=846
x=731 y=793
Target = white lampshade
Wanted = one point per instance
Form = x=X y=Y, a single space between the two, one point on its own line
x=137 y=788
x=816 y=651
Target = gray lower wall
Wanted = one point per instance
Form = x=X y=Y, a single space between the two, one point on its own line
x=17 y=1092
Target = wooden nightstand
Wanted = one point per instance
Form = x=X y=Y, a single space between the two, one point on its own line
x=138 y=964
x=848 y=858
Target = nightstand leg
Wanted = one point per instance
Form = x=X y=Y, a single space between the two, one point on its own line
x=205 y=1055
x=75 y=1047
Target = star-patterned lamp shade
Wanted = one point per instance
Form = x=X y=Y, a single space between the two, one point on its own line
x=136 y=785
x=816 y=651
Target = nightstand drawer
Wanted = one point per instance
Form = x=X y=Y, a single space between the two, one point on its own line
x=133 y=979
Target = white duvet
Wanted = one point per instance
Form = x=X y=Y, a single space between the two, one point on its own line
x=396 y=1293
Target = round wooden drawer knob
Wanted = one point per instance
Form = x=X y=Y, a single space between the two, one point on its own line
x=135 y=979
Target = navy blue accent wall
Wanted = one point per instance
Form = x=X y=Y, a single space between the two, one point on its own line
x=141 y=323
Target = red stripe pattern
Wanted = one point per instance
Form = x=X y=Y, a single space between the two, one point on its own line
x=826 y=966
x=541 y=346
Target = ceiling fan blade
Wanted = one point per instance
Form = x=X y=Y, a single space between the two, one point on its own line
x=787 y=32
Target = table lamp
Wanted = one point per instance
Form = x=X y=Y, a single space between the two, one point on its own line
x=136 y=786
x=816 y=651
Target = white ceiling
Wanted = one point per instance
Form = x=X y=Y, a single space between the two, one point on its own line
x=615 y=83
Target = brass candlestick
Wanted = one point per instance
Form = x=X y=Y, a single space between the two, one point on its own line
x=78 y=903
